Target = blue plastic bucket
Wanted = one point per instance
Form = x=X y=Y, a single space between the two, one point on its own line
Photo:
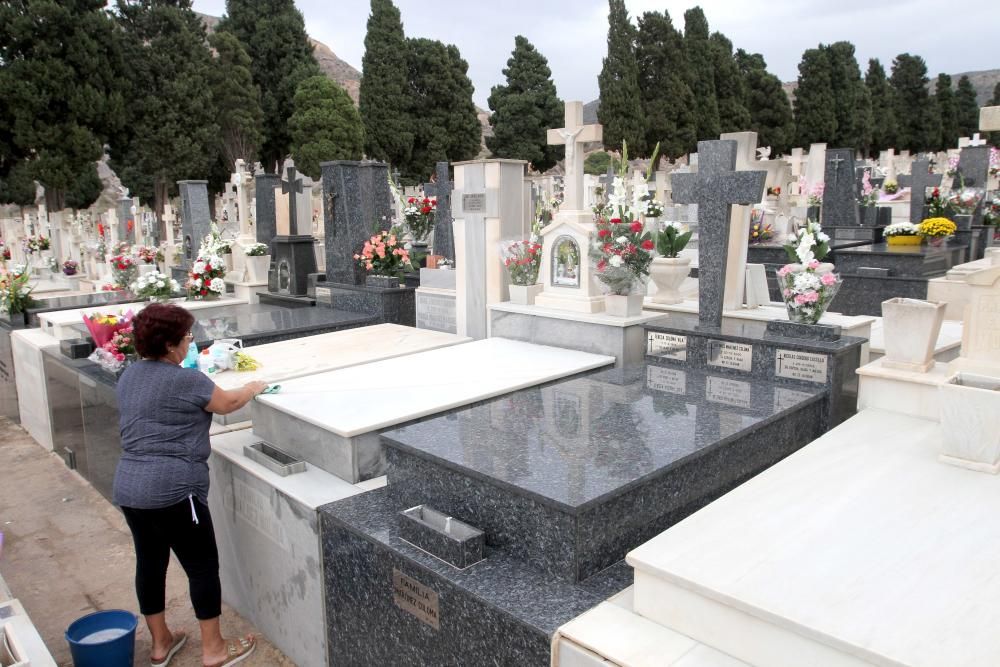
x=103 y=639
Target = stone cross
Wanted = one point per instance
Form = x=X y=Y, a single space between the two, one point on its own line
x=444 y=235
x=918 y=180
x=715 y=188
x=574 y=136
x=795 y=160
x=292 y=186
x=607 y=181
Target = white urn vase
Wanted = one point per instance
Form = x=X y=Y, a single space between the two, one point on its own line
x=146 y=268
x=257 y=267
x=623 y=305
x=668 y=274
x=911 y=330
x=524 y=295
x=970 y=421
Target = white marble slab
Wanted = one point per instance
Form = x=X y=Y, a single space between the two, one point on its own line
x=363 y=399
x=29 y=378
x=19 y=632
x=592 y=318
x=290 y=359
x=58 y=323
x=896 y=390
x=860 y=549
x=946 y=348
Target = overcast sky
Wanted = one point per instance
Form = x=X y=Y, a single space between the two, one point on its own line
x=572 y=34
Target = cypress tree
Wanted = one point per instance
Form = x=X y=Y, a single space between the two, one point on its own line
x=701 y=78
x=171 y=133
x=770 y=111
x=667 y=100
x=916 y=117
x=946 y=112
x=995 y=102
x=525 y=108
x=325 y=125
x=281 y=57
x=384 y=86
x=966 y=108
x=815 y=107
x=620 y=109
x=444 y=119
x=58 y=65
x=883 y=109
x=730 y=91
x=848 y=95
x=236 y=100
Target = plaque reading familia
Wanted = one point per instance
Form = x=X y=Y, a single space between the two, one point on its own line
x=671 y=380
x=668 y=346
x=413 y=597
x=806 y=366
x=475 y=203
x=738 y=356
x=727 y=391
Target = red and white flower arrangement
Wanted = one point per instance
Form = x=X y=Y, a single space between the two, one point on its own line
x=522 y=260
x=205 y=281
x=807 y=284
x=383 y=254
x=123 y=270
x=418 y=213
x=965 y=201
x=994 y=161
x=147 y=255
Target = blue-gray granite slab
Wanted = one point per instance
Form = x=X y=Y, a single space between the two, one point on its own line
x=917 y=261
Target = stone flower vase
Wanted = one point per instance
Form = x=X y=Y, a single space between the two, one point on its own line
x=668 y=274
x=970 y=422
x=911 y=330
x=382 y=282
x=257 y=267
x=524 y=295
x=623 y=305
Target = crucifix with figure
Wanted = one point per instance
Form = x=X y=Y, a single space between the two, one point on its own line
x=574 y=136
x=292 y=186
x=716 y=188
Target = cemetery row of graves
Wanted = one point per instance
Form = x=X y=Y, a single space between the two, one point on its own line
x=739 y=412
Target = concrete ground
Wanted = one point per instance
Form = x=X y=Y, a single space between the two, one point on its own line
x=67 y=552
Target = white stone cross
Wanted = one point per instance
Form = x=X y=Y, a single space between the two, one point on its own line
x=976 y=141
x=573 y=136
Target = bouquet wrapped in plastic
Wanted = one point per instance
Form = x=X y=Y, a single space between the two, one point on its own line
x=103 y=327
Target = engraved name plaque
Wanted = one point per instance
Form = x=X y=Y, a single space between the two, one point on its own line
x=668 y=346
x=413 y=597
x=475 y=203
x=805 y=366
x=660 y=378
x=738 y=356
x=727 y=392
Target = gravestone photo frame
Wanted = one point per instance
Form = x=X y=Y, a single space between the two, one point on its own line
x=566 y=262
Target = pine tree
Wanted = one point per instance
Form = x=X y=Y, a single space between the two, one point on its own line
x=525 y=108
x=325 y=125
x=236 y=100
x=444 y=119
x=61 y=97
x=730 y=92
x=770 y=111
x=281 y=57
x=815 y=107
x=667 y=100
x=620 y=110
x=883 y=110
x=966 y=108
x=701 y=77
x=384 y=86
x=849 y=97
x=171 y=132
x=946 y=112
x=918 y=122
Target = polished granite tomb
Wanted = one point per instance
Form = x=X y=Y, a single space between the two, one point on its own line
x=563 y=479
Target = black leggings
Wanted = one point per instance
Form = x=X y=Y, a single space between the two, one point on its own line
x=155 y=533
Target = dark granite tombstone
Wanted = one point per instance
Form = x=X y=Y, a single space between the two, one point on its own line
x=840 y=205
x=357 y=203
x=266 y=217
x=126 y=220
x=196 y=218
x=918 y=180
x=608 y=181
x=715 y=188
x=973 y=167
x=444 y=234
x=294 y=257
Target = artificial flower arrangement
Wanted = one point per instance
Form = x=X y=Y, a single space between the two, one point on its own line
x=671 y=238
x=965 y=200
x=15 y=293
x=937 y=228
x=952 y=169
x=994 y=161
x=774 y=191
x=123 y=270
x=33 y=244
x=903 y=233
x=814 y=193
x=256 y=250
x=543 y=211
x=418 y=214
x=70 y=267
x=622 y=249
x=653 y=206
x=384 y=255
x=155 y=286
x=522 y=259
x=807 y=284
x=445 y=263
x=100 y=250
x=4 y=251
x=148 y=255
x=869 y=193
x=121 y=248
x=205 y=281
x=890 y=187
x=213 y=245
x=991 y=212
x=936 y=205
x=760 y=232
x=119 y=350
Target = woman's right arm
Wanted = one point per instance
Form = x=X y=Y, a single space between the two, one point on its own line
x=227 y=401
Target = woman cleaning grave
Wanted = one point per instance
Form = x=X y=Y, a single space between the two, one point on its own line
x=161 y=483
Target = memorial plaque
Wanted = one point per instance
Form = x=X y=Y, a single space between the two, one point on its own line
x=413 y=597
x=671 y=380
x=786 y=398
x=436 y=312
x=738 y=356
x=668 y=346
x=324 y=294
x=805 y=366
x=474 y=203
x=727 y=391
x=254 y=507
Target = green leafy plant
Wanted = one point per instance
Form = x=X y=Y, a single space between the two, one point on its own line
x=671 y=238
x=15 y=293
